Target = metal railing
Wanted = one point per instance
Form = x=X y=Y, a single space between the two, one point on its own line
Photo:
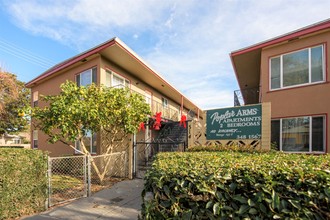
x=144 y=153
x=168 y=112
x=246 y=96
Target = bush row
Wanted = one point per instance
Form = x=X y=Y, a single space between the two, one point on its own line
x=23 y=182
x=237 y=185
x=231 y=147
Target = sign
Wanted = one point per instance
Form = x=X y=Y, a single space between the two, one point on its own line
x=234 y=123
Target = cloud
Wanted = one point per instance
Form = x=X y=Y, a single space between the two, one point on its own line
x=79 y=23
x=187 y=41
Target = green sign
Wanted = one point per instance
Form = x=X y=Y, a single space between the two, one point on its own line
x=234 y=123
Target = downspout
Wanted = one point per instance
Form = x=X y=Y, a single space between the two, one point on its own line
x=181 y=105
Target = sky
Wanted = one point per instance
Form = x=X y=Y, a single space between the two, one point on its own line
x=187 y=42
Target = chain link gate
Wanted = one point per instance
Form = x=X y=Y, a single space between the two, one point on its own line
x=71 y=177
x=67 y=178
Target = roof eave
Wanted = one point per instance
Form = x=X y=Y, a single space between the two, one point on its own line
x=98 y=49
x=70 y=61
x=150 y=69
x=288 y=36
x=280 y=39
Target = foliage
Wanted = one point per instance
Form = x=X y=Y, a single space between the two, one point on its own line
x=77 y=110
x=20 y=193
x=214 y=148
x=237 y=185
x=14 y=102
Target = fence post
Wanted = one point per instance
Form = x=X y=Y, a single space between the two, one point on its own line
x=49 y=174
x=134 y=158
x=89 y=191
x=125 y=164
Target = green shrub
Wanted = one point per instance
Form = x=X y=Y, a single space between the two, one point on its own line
x=23 y=182
x=232 y=147
x=236 y=147
x=237 y=185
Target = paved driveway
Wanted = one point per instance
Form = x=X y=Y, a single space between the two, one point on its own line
x=121 y=201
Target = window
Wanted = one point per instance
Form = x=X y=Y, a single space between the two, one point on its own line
x=35 y=139
x=164 y=102
x=89 y=141
x=148 y=97
x=297 y=68
x=35 y=98
x=115 y=80
x=17 y=141
x=275 y=134
x=87 y=77
x=301 y=134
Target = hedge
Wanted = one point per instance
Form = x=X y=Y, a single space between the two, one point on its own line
x=233 y=147
x=23 y=182
x=237 y=185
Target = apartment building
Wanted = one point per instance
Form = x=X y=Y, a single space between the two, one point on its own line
x=292 y=73
x=111 y=64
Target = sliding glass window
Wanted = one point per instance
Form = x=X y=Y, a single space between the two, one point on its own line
x=297 y=68
x=299 y=134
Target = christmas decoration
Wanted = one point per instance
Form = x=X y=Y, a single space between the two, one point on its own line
x=183 y=121
x=142 y=127
x=158 y=118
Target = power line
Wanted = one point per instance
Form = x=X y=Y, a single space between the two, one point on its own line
x=25 y=54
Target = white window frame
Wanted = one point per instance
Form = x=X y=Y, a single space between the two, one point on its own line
x=126 y=82
x=88 y=71
x=16 y=140
x=35 y=98
x=164 y=102
x=148 y=97
x=78 y=150
x=309 y=69
x=310 y=134
x=35 y=139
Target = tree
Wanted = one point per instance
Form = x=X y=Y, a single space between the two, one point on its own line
x=73 y=113
x=14 y=102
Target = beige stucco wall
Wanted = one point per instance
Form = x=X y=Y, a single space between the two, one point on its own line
x=138 y=86
x=52 y=86
x=299 y=101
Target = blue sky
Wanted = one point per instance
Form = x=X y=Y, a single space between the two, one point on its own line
x=187 y=41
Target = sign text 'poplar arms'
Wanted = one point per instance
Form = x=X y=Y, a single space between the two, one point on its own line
x=234 y=123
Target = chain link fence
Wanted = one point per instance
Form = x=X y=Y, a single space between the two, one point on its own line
x=74 y=177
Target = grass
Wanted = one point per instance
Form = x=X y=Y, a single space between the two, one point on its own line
x=63 y=182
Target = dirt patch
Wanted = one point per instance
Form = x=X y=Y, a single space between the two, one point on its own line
x=73 y=191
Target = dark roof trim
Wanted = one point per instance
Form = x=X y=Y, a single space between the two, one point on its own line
x=297 y=33
x=71 y=61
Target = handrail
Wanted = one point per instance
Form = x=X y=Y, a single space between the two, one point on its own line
x=167 y=111
x=246 y=96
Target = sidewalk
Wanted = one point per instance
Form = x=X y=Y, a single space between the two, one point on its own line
x=121 y=201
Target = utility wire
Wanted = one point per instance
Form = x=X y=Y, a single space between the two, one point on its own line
x=25 y=54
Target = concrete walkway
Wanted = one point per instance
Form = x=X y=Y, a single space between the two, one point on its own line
x=121 y=201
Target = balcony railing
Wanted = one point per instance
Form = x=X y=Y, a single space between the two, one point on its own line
x=246 y=96
x=168 y=112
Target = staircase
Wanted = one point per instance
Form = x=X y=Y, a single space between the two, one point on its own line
x=172 y=136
